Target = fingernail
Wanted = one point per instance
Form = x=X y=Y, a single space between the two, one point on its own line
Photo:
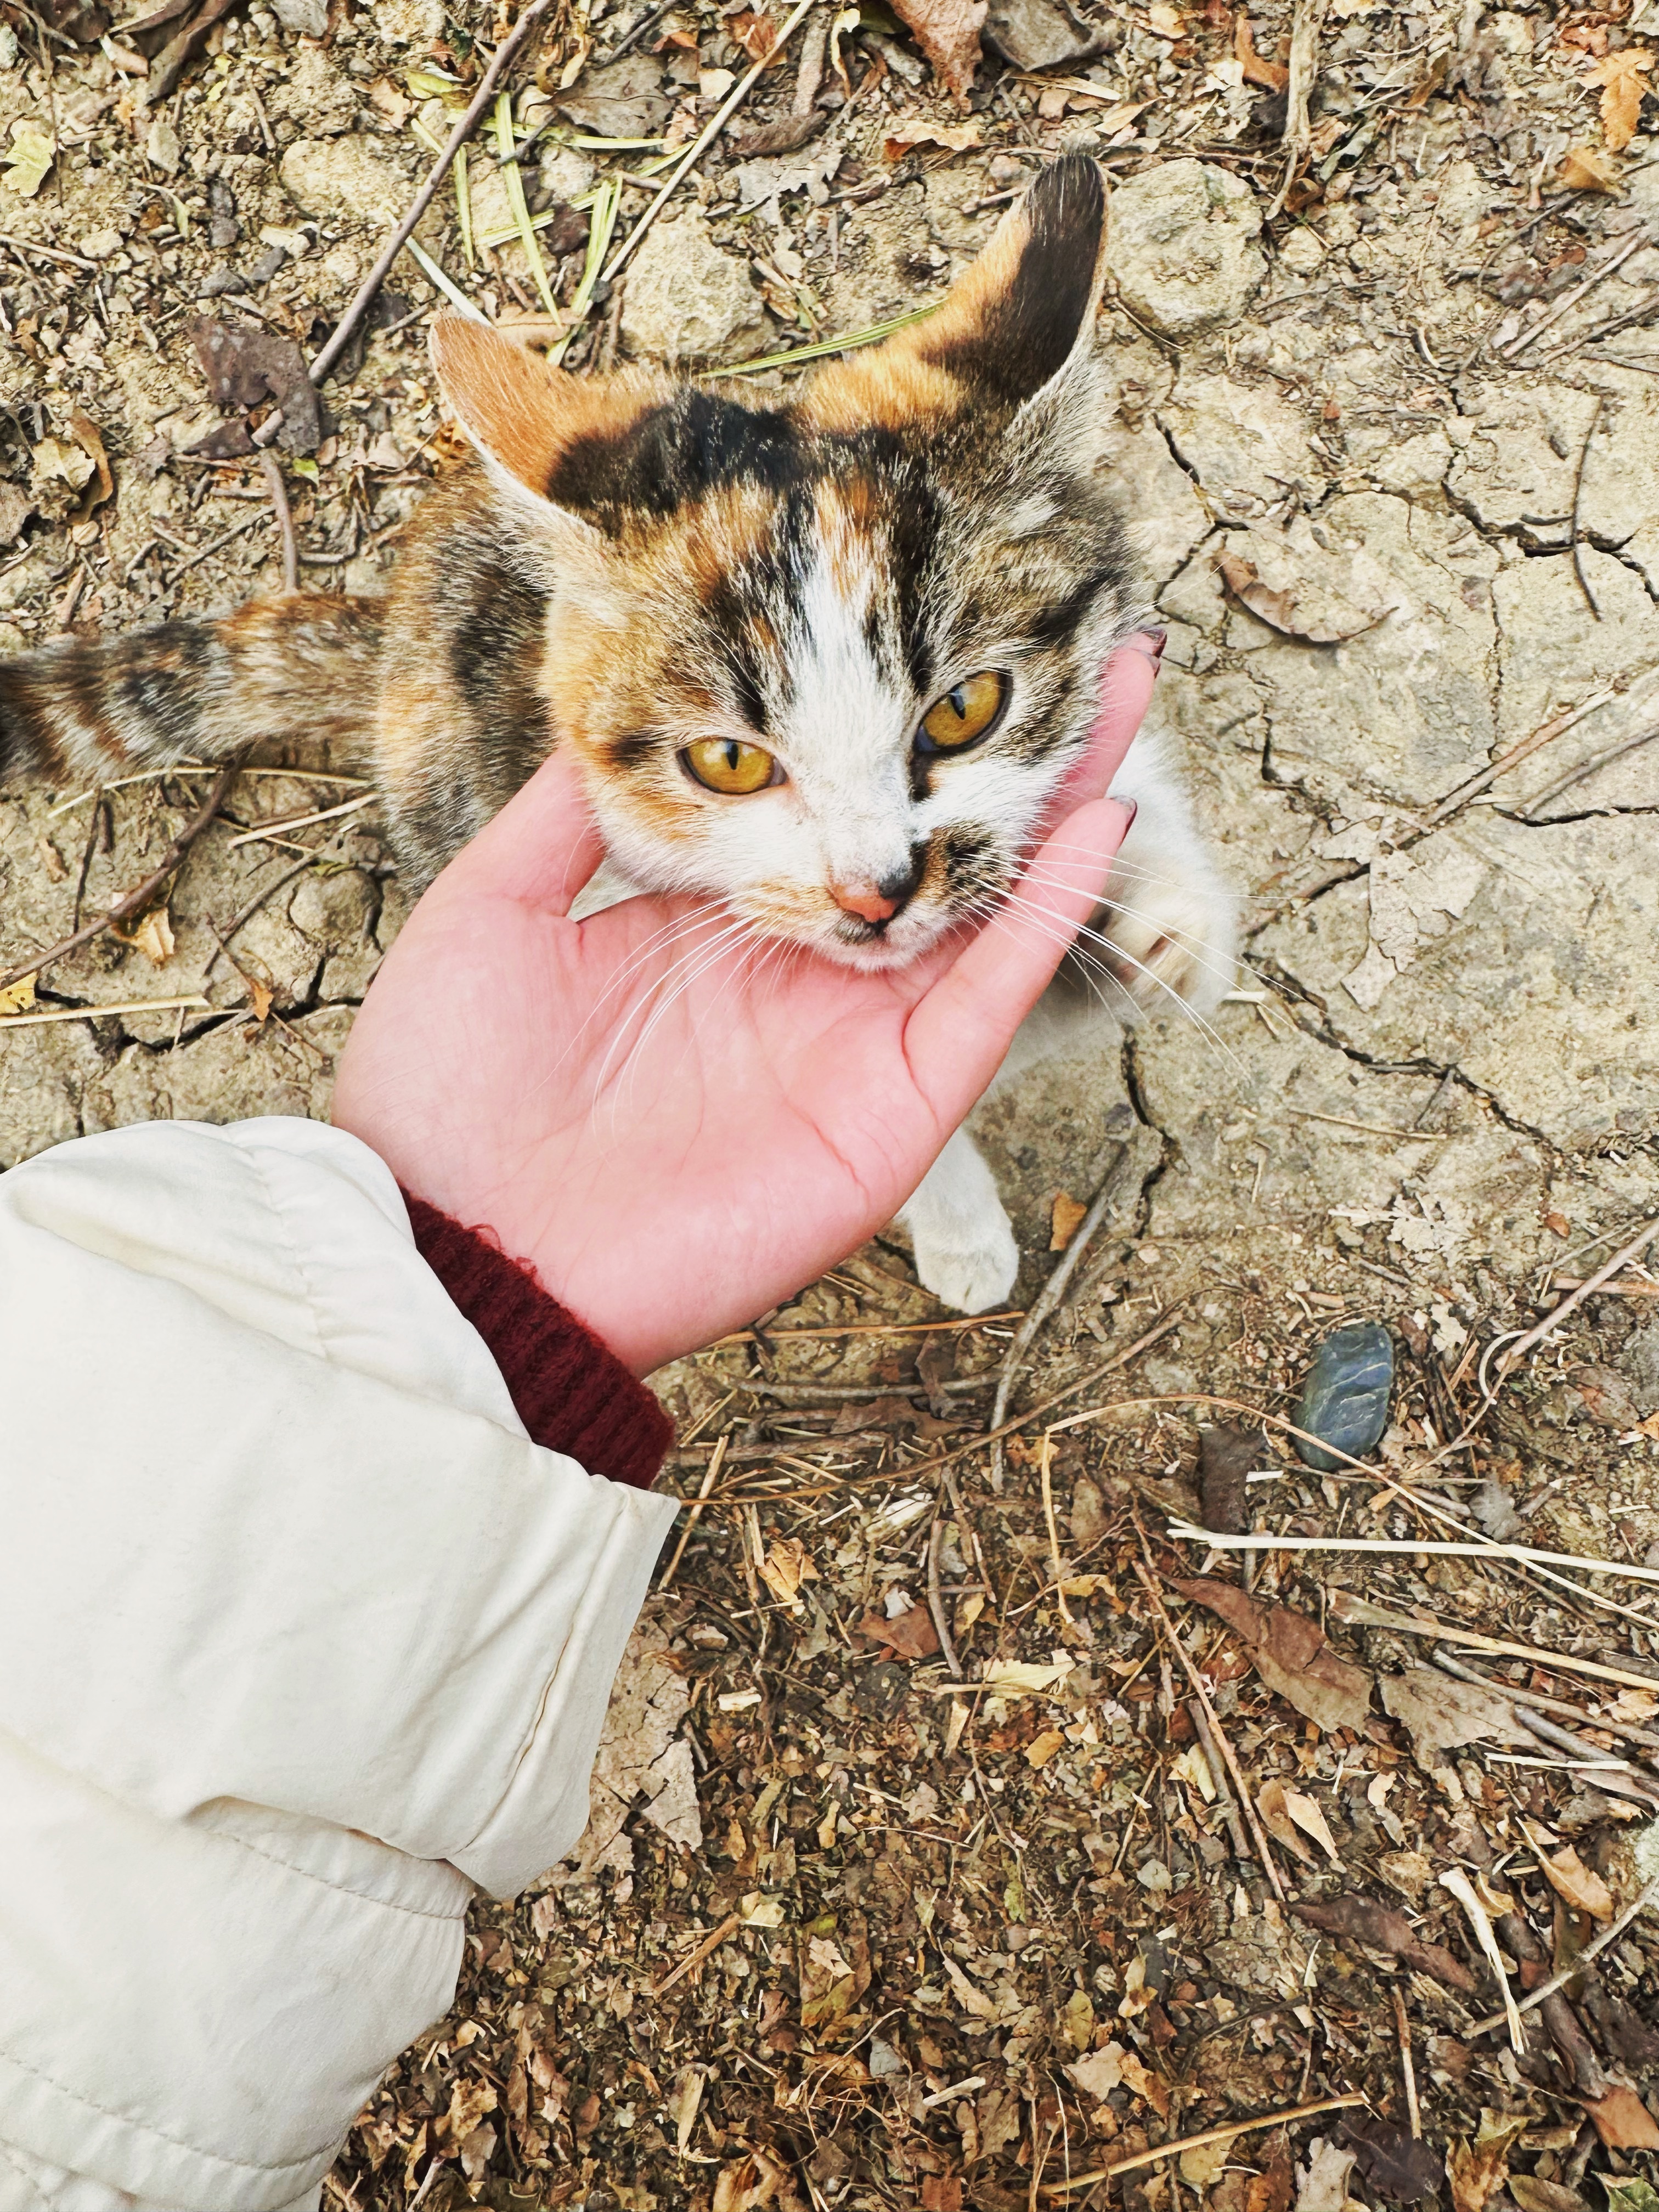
x=1160 y=638
x=1131 y=807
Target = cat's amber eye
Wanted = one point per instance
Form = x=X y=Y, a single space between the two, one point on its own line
x=966 y=714
x=726 y=764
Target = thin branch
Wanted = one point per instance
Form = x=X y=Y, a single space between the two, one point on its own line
x=1593 y=1949
x=1578 y=501
x=509 y=47
x=271 y=469
x=1589 y=767
x=936 y=1595
x=1228 y=2134
x=135 y=900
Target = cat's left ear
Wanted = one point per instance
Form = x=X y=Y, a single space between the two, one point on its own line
x=1008 y=329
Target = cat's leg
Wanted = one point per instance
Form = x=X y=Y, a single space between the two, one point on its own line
x=1169 y=919
x=964 y=1247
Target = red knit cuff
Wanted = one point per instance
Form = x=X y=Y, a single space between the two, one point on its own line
x=572 y=1392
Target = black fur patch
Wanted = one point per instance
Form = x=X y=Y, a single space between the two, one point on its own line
x=677 y=452
x=1027 y=334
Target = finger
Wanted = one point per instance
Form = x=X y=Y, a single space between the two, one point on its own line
x=541 y=848
x=956 y=1035
x=1126 y=691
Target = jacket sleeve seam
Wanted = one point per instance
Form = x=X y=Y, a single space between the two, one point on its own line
x=158 y=2134
x=284 y=1230
x=340 y=1888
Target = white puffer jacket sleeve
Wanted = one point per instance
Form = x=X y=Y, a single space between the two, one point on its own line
x=300 y=1637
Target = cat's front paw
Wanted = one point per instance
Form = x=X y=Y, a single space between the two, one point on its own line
x=972 y=1279
x=1164 y=946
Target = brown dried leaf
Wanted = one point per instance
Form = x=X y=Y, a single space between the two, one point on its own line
x=1064 y=1215
x=904 y=137
x=1624 y=2121
x=153 y=937
x=909 y=1635
x=1586 y=169
x=1363 y=1921
x=19 y=997
x=244 y=367
x=786 y=1565
x=1475 y=2170
x=1270 y=2190
x=1276 y=1820
x=1443 y=1714
x=947 y=31
x=1225 y=1457
x=1398 y=2166
x=1145 y=2083
x=1623 y=79
x=86 y=434
x=260 y=996
x=1274 y=76
x=1042 y=1748
x=1308 y=1817
x=1278 y=608
x=1581 y=1887
x=1291 y=1655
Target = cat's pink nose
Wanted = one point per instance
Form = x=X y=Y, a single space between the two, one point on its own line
x=867 y=900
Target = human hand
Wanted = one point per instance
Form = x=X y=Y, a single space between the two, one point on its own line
x=674 y=1152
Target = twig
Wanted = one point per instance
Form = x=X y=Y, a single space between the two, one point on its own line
x=1053 y=1291
x=1578 y=499
x=706 y=1949
x=1047 y=1454
x=861 y=1329
x=1638 y=239
x=1224 y=1796
x=706 y=138
x=652 y=17
x=1188 y=1532
x=1522 y=750
x=936 y=1595
x=1260 y=1841
x=248 y=913
x=271 y=469
x=93 y=1013
x=262 y=830
x=100 y=820
x=696 y=1514
x=137 y=899
x=1524 y=1343
x=1458 y=1882
x=1536 y=1701
x=1359 y=1613
x=1593 y=1949
x=214 y=546
x=1228 y=2134
x=1308 y=19
x=1529 y=813
x=458 y=138
x=1407 y=2071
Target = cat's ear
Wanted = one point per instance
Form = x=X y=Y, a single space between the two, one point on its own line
x=527 y=418
x=1008 y=329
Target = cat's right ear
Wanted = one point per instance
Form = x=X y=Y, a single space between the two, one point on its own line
x=524 y=417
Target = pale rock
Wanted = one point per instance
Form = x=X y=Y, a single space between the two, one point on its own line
x=1410 y=466
x=1303 y=251
x=409 y=22
x=565 y=172
x=1183 y=248
x=1246 y=443
x=1165 y=516
x=348 y=178
x=686 y=301
x=1034 y=35
x=161 y=146
x=100 y=245
x=307 y=18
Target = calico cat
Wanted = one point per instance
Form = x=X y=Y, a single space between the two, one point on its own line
x=822 y=661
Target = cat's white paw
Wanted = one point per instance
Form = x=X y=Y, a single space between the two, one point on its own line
x=1166 y=946
x=975 y=1280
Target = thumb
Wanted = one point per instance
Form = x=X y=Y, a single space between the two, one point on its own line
x=956 y=1035
x=542 y=848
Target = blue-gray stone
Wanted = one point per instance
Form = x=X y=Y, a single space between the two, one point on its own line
x=1345 y=1401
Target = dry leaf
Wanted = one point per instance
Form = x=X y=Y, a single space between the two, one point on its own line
x=1586 y=169
x=1278 y=608
x=1476 y=2170
x=1042 y=1748
x=947 y=31
x=1019 y=1678
x=1322 y=2185
x=1311 y=1821
x=1623 y=79
x=1166 y=20
x=17 y=997
x=1064 y=1215
x=1583 y=1888
x=61 y=460
x=1193 y=1768
x=786 y=1565
x=1363 y=1921
x=468 y=2101
x=1276 y=1820
x=970 y=1999
x=1624 y=2121
x=86 y=434
x=260 y=997
x=1098 y=2072
x=1144 y=2084
x=29 y=157
x=904 y=137
x=385 y=99
x=641 y=1753
x=1400 y=2167
x=1291 y=1655
x=153 y=937
x=909 y=1635
x=757 y=34
x=1274 y=76
x=1201 y=2165
x=1270 y=2190
x=1443 y=1714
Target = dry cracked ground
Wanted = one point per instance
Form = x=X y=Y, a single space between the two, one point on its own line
x=844 y=1935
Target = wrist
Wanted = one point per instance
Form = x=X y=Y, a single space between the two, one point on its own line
x=571 y=1391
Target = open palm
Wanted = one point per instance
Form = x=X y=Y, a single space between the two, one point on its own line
x=676 y=1125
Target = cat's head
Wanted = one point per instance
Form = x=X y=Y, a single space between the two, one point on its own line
x=828 y=660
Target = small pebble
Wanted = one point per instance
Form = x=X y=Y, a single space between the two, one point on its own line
x=1345 y=1402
